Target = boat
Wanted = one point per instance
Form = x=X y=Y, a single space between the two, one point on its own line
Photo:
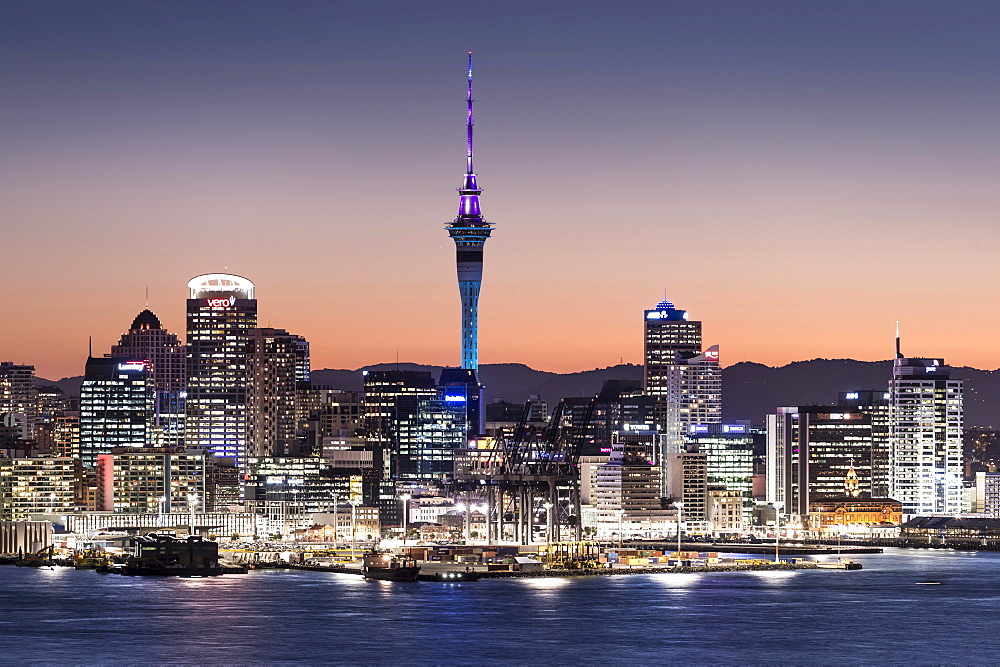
x=454 y=577
x=389 y=567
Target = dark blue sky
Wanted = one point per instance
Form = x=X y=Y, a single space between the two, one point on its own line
x=804 y=155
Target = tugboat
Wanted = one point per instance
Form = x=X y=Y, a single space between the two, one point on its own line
x=389 y=567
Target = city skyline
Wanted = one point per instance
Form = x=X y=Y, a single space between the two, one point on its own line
x=779 y=171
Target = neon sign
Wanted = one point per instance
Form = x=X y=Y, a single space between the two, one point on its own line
x=132 y=366
x=219 y=304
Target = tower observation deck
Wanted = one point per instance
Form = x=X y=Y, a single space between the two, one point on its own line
x=469 y=231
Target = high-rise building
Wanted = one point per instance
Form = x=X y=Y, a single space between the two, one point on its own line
x=429 y=430
x=811 y=449
x=626 y=486
x=687 y=482
x=221 y=314
x=875 y=404
x=685 y=381
x=147 y=340
x=925 y=435
x=116 y=406
x=729 y=461
x=275 y=365
x=18 y=395
x=383 y=389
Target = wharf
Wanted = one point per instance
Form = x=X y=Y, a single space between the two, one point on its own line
x=432 y=571
x=794 y=549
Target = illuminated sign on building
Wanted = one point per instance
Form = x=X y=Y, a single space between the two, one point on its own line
x=132 y=366
x=454 y=398
x=219 y=304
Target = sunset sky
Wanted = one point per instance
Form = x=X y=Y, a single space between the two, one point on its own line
x=797 y=175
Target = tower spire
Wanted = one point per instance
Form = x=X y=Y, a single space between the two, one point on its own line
x=899 y=353
x=469 y=122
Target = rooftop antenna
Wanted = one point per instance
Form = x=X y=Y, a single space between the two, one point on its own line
x=90 y=346
x=147 y=297
x=899 y=354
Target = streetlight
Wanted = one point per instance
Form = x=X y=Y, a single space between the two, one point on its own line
x=621 y=515
x=680 y=506
x=354 y=506
x=778 y=506
x=406 y=517
x=192 y=506
x=548 y=522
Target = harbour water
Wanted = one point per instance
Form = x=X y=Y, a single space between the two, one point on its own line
x=904 y=606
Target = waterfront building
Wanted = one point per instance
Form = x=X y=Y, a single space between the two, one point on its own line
x=810 y=450
x=220 y=525
x=221 y=313
x=276 y=362
x=37 y=485
x=726 y=511
x=687 y=482
x=875 y=404
x=116 y=406
x=853 y=514
x=166 y=359
x=925 y=434
x=987 y=494
x=729 y=459
x=18 y=395
x=627 y=486
x=149 y=480
x=24 y=537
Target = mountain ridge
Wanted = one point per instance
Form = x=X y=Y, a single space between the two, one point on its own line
x=751 y=390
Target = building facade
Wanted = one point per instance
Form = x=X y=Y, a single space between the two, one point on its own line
x=925 y=431
x=166 y=359
x=117 y=402
x=221 y=314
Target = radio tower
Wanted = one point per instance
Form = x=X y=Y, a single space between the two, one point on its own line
x=469 y=231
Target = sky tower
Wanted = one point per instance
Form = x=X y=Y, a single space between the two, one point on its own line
x=470 y=231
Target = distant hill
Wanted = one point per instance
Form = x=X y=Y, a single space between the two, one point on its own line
x=750 y=390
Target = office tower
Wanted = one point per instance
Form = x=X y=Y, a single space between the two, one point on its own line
x=875 y=404
x=221 y=312
x=626 y=487
x=686 y=382
x=147 y=340
x=469 y=230
x=37 y=485
x=18 y=395
x=811 y=449
x=324 y=414
x=382 y=391
x=687 y=482
x=620 y=406
x=463 y=382
x=429 y=430
x=275 y=366
x=154 y=480
x=53 y=402
x=925 y=434
x=729 y=461
x=116 y=406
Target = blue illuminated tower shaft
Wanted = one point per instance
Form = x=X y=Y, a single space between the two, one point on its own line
x=469 y=231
